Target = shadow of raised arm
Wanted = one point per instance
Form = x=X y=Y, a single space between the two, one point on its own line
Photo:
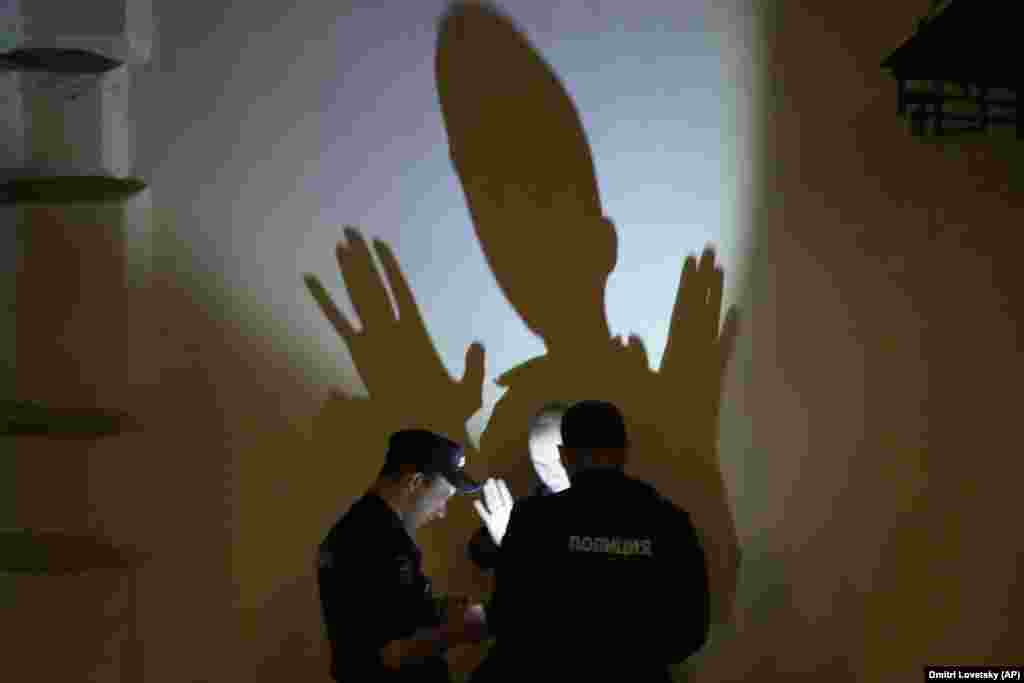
x=692 y=373
x=394 y=353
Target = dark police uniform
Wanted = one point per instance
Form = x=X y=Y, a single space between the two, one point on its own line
x=371 y=582
x=373 y=590
x=606 y=578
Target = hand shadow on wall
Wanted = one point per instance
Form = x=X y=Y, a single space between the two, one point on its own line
x=522 y=156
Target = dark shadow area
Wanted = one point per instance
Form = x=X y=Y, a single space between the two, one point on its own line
x=522 y=156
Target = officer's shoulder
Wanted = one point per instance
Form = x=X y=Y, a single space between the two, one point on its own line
x=531 y=506
x=353 y=523
x=660 y=499
x=676 y=511
x=647 y=490
x=530 y=503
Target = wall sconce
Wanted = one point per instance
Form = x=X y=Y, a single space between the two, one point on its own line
x=960 y=71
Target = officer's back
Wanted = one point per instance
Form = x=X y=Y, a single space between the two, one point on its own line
x=605 y=577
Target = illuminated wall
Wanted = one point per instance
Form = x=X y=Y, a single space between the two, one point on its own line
x=307 y=121
x=341 y=126
x=871 y=433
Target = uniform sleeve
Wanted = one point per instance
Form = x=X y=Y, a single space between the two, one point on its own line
x=359 y=606
x=509 y=577
x=685 y=579
x=482 y=550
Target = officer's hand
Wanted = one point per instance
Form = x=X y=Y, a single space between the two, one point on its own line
x=496 y=508
x=455 y=604
x=475 y=621
x=466 y=625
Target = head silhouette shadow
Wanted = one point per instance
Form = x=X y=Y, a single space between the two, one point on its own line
x=522 y=156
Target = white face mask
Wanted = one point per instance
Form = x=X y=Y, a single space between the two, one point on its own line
x=546 y=461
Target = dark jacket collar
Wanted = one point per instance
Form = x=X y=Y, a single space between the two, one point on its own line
x=379 y=507
x=598 y=474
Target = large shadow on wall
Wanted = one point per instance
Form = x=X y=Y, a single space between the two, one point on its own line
x=521 y=154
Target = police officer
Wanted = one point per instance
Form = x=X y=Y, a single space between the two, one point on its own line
x=606 y=578
x=382 y=619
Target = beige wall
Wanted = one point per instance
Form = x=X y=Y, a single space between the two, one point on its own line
x=878 y=513
x=886 y=374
